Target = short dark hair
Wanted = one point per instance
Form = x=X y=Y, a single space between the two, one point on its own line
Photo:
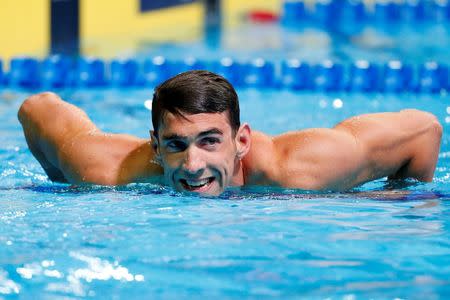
x=195 y=92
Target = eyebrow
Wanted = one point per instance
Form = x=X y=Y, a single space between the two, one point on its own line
x=201 y=134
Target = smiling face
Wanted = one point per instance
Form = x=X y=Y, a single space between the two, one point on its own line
x=200 y=153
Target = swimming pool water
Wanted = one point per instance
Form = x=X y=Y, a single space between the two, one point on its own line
x=375 y=42
x=382 y=240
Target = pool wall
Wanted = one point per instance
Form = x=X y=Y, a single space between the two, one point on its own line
x=24 y=28
x=109 y=28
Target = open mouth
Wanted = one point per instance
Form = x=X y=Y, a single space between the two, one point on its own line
x=198 y=185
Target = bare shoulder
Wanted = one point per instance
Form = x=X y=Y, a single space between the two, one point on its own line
x=307 y=159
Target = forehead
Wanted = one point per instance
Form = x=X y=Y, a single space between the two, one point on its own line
x=188 y=125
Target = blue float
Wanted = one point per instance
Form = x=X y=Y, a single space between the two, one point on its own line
x=259 y=73
x=24 y=72
x=156 y=70
x=56 y=71
x=396 y=77
x=293 y=12
x=413 y=11
x=295 y=74
x=440 y=11
x=190 y=64
x=351 y=15
x=387 y=11
x=124 y=72
x=187 y=64
x=363 y=77
x=433 y=77
x=229 y=69
x=328 y=76
x=353 y=11
x=326 y=12
x=89 y=72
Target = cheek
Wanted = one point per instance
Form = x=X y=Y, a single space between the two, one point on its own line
x=227 y=157
x=170 y=162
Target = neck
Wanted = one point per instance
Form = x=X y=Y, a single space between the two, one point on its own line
x=238 y=176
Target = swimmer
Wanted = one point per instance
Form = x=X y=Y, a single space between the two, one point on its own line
x=199 y=145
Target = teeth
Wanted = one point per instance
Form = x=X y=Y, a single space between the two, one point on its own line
x=197 y=183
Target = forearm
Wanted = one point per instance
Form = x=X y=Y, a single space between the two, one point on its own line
x=423 y=160
x=48 y=122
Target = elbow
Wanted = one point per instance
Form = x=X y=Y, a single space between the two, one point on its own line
x=32 y=105
x=435 y=130
x=423 y=163
x=436 y=127
x=25 y=109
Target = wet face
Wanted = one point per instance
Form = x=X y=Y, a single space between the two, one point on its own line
x=200 y=153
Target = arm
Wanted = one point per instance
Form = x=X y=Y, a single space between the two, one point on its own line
x=357 y=150
x=71 y=148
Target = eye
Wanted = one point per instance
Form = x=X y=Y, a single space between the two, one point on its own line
x=175 y=146
x=209 y=141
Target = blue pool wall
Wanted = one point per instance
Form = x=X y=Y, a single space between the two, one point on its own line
x=347 y=11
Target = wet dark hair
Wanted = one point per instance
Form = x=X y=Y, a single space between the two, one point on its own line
x=195 y=92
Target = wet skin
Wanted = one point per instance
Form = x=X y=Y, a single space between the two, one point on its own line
x=199 y=153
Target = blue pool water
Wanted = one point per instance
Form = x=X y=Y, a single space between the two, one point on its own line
x=375 y=42
x=382 y=240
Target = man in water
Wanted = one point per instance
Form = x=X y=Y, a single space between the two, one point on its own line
x=199 y=145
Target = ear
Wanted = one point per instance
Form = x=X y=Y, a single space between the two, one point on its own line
x=154 y=141
x=243 y=140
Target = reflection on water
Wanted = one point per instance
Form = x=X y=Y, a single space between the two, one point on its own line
x=78 y=241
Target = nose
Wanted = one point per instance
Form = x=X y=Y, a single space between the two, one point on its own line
x=193 y=163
